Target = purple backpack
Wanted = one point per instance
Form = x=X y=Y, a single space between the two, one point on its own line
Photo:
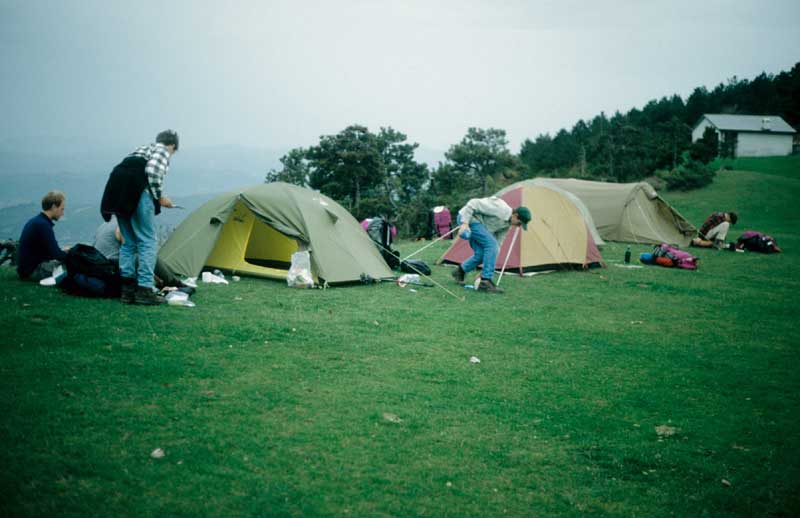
x=680 y=259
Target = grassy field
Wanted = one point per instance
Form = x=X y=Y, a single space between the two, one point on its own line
x=630 y=392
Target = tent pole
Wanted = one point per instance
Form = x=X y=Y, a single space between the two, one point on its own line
x=508 y=254
x=429 y=244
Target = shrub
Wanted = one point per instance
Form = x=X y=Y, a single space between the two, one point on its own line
x=691 y=174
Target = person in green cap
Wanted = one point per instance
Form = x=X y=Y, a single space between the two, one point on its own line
x=484 y=222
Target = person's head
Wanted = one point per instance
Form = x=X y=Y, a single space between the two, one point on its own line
x=53 y=204
x=732 y=217
x=170 y=140
x=521 y=216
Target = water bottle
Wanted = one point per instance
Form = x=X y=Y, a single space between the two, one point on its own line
x=628 y=255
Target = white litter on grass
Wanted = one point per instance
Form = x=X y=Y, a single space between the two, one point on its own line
x=392 y=418
x=474 y=359
x=210 y=278
x=179 y=298
x=665 y=430
x=531 y=274
x=629 y=266
x=158 y=453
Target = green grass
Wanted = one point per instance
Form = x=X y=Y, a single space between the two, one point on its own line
x=788 y=166
x=361 y=401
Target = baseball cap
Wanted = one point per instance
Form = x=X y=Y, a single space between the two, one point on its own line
x=524 y=215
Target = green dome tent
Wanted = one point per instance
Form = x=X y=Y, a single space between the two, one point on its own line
x=256 y=230
x=627 y=212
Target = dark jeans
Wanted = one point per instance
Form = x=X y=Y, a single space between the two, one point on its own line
x=44 y=270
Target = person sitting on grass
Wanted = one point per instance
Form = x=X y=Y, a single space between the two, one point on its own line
x=108 y=239
x=485 y=222
x=38 y=254
x=715 y=230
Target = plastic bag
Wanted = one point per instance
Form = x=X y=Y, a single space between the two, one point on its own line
x=409 y=278
x=209 y=277
x=299 y=275
x=179 y=298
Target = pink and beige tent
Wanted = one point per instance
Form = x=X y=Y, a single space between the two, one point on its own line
x=557 y=237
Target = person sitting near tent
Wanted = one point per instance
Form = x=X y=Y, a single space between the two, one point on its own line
x=715 y=230
x=133 y=194
x=38 y=253
x=485 y=222
x=108 y=239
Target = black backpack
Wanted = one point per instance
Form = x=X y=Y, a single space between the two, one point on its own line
x=90 y=273
x=380 y=232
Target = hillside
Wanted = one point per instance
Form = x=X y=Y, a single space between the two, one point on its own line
x=763 y=191
x=620 y=391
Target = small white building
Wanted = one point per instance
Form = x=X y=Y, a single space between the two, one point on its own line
x=748 y=135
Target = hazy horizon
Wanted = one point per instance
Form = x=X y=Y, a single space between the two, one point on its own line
x=277 y=75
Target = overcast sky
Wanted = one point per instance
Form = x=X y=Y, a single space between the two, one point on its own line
x=281 y=73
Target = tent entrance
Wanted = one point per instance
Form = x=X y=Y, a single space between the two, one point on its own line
x=248 y=245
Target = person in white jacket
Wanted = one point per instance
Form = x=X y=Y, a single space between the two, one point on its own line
x=485 y=222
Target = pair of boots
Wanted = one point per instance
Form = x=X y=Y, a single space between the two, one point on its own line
x=484 y=285
x=135 y=294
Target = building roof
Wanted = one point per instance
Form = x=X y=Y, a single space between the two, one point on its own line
x=748 y=123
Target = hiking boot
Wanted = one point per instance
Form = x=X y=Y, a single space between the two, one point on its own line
x=128 y=295
x=458 y=275
x=488 y=286
x=147 y=297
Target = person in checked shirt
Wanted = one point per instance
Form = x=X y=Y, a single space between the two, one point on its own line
x=134 y=194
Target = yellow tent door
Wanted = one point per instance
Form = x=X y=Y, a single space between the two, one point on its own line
x=248 y=245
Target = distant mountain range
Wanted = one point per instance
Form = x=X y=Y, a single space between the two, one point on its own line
x=30 y=167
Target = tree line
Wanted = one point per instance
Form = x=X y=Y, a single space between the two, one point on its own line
x=376 y=174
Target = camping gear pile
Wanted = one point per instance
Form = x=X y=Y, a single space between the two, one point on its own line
x=380 y=232
x=670 y=256
x=440 y=222
x=757 y=242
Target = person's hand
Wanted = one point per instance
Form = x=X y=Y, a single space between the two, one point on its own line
x=66 y=248
x=463 y=228
x=165 y=202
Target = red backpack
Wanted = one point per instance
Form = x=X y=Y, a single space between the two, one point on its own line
x=679 y=258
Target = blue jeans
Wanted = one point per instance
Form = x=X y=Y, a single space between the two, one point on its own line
x=139 y=235
x=484 y=247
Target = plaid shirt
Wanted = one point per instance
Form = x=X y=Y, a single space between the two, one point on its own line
x=157 y=166
x=711 y=222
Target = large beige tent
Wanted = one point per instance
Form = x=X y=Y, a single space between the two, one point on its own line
x=628 y=212
x=557 y=237
x=256 y=230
